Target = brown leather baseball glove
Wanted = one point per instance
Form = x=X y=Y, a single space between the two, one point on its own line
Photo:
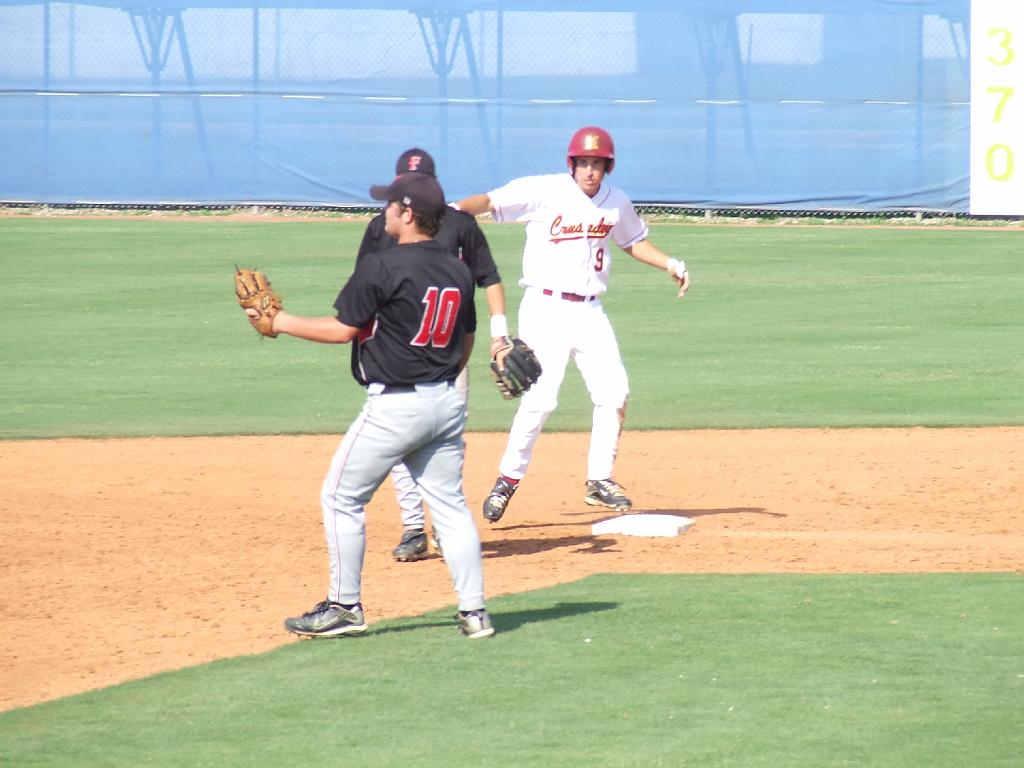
x=254 y=292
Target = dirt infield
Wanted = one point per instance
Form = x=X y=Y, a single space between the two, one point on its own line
x=124 y=558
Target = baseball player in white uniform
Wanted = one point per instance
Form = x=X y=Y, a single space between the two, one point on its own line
x=571 y=220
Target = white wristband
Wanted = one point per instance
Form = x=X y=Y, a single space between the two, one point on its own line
x=455 y=206
x=676 y=268
x=499 y=326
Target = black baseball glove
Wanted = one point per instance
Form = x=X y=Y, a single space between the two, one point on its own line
x=515 y=368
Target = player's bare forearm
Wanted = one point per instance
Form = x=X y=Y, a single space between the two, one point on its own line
x=325 y=330
x=499 y=323
x=467 y=350
x=648 y=253
x=475 y=204
x=495 y=295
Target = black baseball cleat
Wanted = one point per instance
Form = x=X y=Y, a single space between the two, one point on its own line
x=497 y=500
x=328 y=619
x=607 y=493
x=412 y=547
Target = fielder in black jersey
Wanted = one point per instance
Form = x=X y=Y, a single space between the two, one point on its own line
x=410 y=315
x=413 y=302
x=460 y=235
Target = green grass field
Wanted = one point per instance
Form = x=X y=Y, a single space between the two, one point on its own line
x=737 y=671
x=117 y=327
x=130 y=327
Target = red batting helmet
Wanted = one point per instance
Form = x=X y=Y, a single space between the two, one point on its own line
x=591 y=142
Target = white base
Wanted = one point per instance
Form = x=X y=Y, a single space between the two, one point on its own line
x=643 y=525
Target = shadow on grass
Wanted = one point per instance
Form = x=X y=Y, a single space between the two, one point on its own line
x=508 y=621
x=504 y=621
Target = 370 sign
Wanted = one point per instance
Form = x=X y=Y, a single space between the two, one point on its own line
x=997 y=108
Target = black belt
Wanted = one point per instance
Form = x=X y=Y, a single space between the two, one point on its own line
x=567 y=296
x=394 y=389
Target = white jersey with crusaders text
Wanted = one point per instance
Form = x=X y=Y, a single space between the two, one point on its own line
x=568 y=234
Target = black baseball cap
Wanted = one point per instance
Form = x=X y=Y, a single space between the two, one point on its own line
x=415 y=160
x=419 y=191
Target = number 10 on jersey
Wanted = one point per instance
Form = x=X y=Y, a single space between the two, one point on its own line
x=997 y=108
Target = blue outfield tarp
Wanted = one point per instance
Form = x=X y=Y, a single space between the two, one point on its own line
x=857 y=105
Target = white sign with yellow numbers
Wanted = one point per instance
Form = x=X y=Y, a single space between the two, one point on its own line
x=997 y=108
